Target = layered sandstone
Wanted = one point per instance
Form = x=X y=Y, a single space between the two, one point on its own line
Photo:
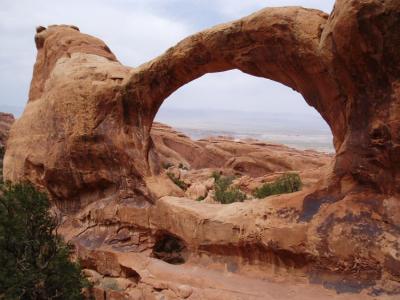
x=259 y=249
x=253 y=158
x=85 y=138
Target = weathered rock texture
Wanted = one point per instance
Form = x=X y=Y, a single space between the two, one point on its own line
x=6 y=120
x=254 y=250
x=89 y=117
x=85 y=138
x=253 y=158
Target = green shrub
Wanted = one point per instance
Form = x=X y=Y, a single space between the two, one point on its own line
x=177 y=181
x=216 y=175
x=288 y=183
x=35 y=262
x=200 y=198
x=225 y=193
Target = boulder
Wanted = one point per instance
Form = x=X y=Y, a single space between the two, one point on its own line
x=196 y=191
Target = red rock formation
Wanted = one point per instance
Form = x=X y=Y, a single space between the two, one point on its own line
x=247 y=158
x=6 y=120
x=80 y=145
x=85 y=138
x=345 y=65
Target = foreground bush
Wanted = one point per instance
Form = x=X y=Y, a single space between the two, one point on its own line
x=225 y=193
x=288 y=183
x=35 y=262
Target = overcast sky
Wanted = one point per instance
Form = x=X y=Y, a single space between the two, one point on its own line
x=137 y=31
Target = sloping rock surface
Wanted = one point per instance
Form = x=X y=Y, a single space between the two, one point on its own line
x=248 y=157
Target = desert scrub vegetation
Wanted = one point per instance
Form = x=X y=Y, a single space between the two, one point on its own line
x=287 y=183
x=180 y=183
x=225 y=193
x=35 y=261
x=200 y=198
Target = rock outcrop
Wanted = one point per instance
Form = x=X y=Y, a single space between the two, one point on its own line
x=253 y=158
x=85 y=138
x=347 y=244
x=6 y=120
x=253 y=250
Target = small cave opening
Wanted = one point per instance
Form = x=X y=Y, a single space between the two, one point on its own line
x=169 y=248
x=130 y=273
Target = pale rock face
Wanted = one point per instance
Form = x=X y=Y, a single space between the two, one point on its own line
x=209 y=183
x=160 y=186
x=210 y=198
x=196 y=191
x=86 y=138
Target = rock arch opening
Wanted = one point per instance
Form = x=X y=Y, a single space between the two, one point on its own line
x=169 y=248
x=236 y=105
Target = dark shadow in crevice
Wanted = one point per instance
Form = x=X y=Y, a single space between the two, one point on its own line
x=169 y=248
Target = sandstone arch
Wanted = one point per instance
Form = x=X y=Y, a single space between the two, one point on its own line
x=280 y=44
x=85 y=130
x=84 y=137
